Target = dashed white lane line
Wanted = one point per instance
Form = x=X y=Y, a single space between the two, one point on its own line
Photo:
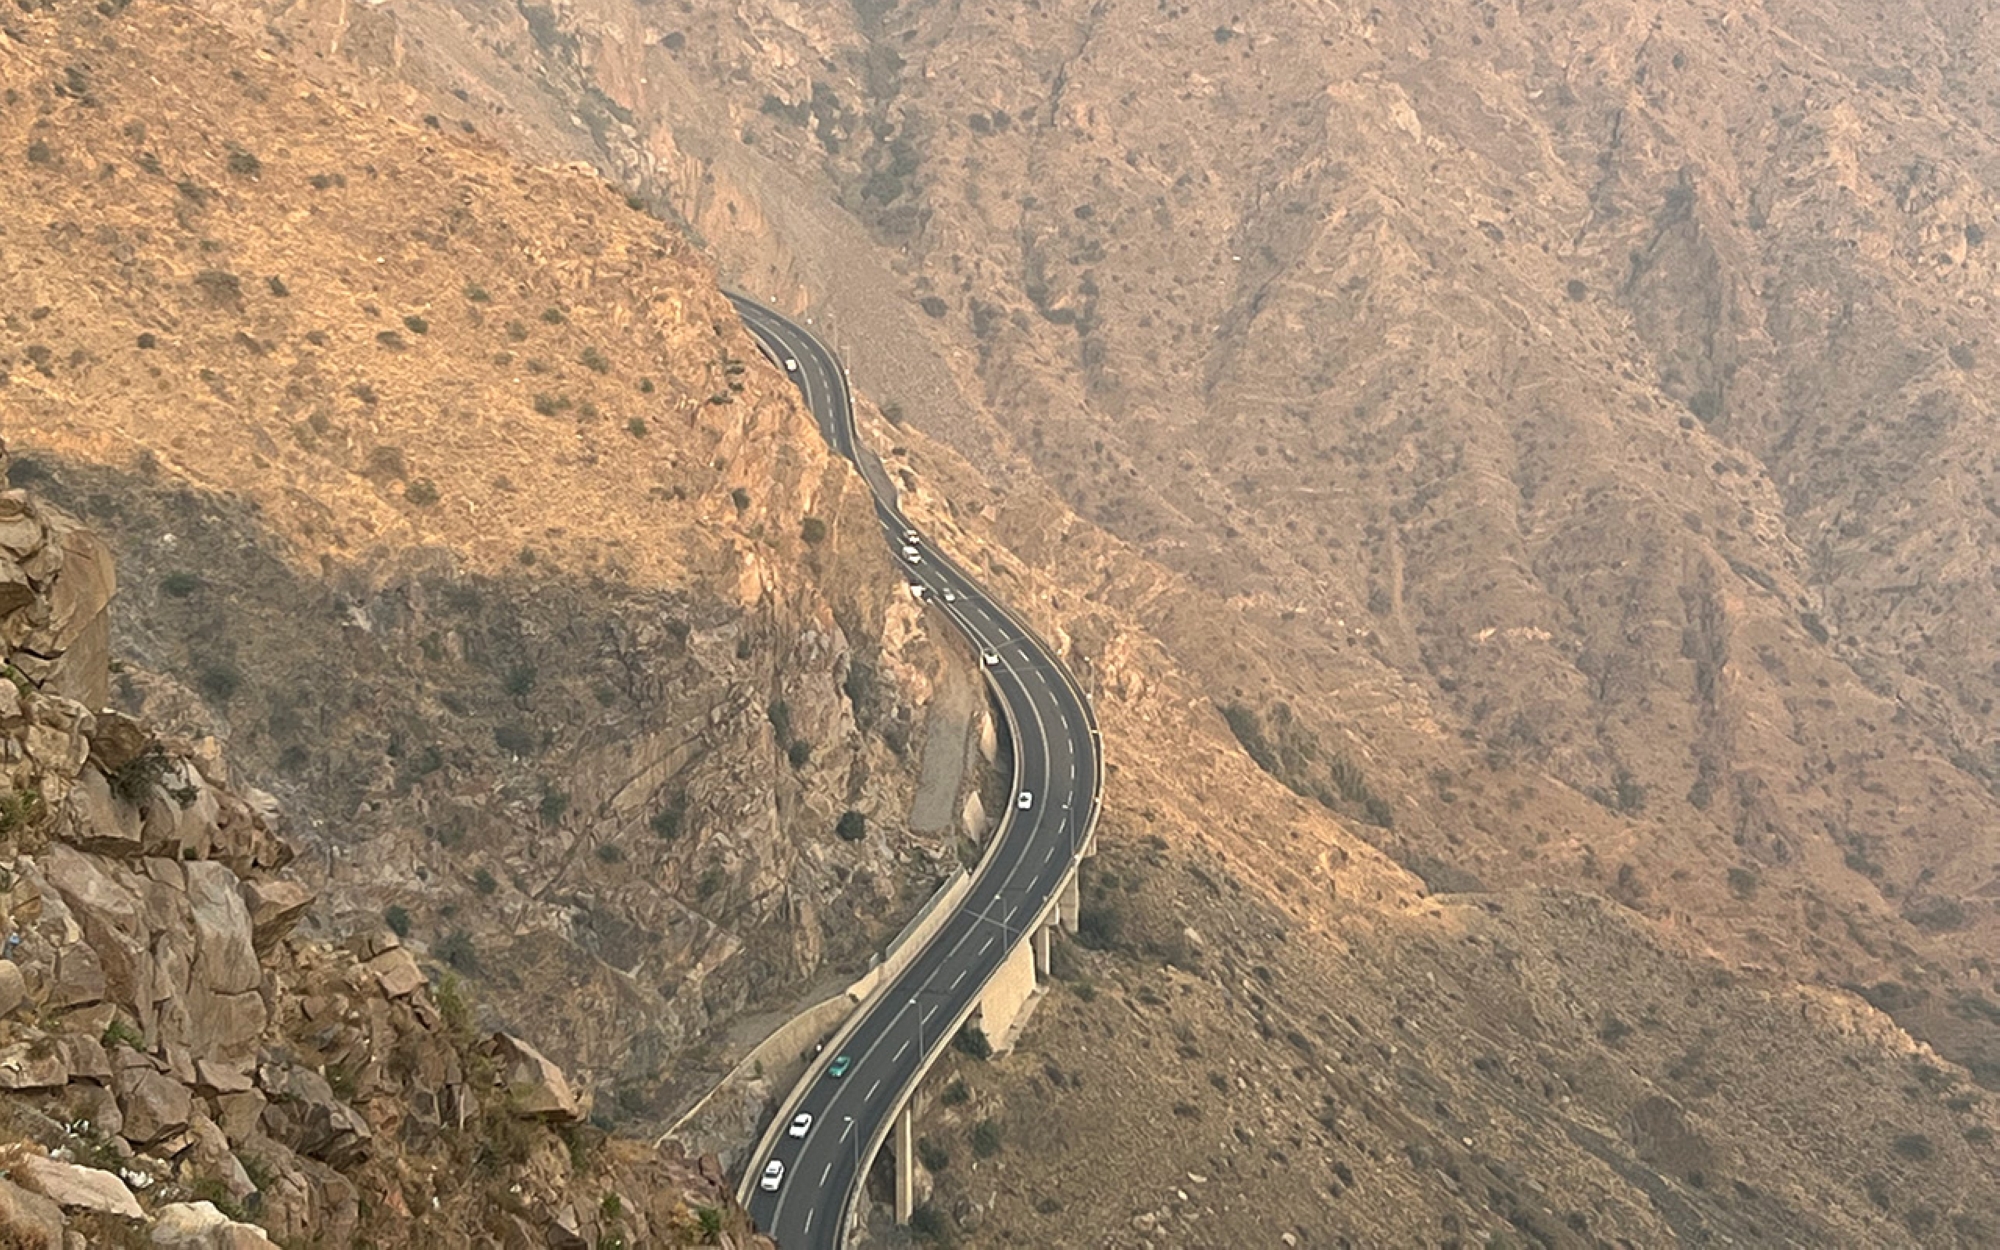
x=960 y=977
x=870 y=1095
x=824 y=1173
x=902 y=1050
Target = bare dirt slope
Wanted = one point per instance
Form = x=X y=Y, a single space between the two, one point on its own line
x=452 y=494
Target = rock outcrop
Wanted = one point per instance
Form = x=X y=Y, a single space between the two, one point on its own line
x=173 y=1059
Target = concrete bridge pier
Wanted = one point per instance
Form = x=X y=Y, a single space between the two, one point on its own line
x=906 y=1168
x=1041 y=941
x=1068 y=903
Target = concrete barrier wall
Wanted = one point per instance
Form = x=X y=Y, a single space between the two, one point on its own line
x=904 y=946
x=779 y=1059
x=897 y=956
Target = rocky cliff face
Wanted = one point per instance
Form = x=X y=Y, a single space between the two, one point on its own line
x=179 y=1067
x=452 y=496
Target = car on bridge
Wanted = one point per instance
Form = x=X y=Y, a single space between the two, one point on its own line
x=774 y=1176
x=1026 y=801
x=791 y=365
x=838 y=1068
x=911 y=554
x=989 y=656
x=802 y=1124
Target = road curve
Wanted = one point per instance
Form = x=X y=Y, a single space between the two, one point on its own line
x=1059 y=763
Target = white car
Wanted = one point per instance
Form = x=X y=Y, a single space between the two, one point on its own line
x=802 y=1124
x=774 y=1176
x=950 y=595
x=791 y=366
x=989 y=656
x=1026 y=801
x=911 y=554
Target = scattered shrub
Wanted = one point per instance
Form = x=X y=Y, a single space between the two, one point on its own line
x=179 y=585
x=800 y=753
x=971 y=1040
x=741 y=498
x=610 y=853
x=243 y=164
x=553 y=805
x=219 y=682
x=932 y=1155
x=484 y=882
x=423 y=492
x=955 y=1094
x=666 y=823
x=594 y=360
x=456 y=950
x=1915 y=1147
x=398 y=919
x=554 y=316
x=276 y=286
x=636 y=427
x=853 y=826
x=813 y=530
x=477 y=294
x=986 y=1138
x=779 y=713
x=416 y=325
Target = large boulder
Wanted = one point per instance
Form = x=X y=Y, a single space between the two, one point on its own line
x=76 y=1188
x=199 y=1226
x=29 y=1220
x=33 y=1064
x=304 y=1115
x=275 y=906
x=535 y=1085
x=13 y=986
x=154 y=1105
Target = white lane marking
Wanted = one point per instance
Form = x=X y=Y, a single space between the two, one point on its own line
x=960 y=977
x=985 y=946
x=870 y=1095
x=812 y=1211
x=1046 y=858
x=824 y=1173
x=902 y=1050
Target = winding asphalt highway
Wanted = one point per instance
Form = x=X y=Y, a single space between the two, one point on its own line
x=1057 y=750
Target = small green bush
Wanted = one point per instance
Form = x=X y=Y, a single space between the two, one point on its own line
x=243 y=164
x=610 y=853
x=594 y=360
x=554 y=316
x=666 y=823
x=477 y=293
x=423 y=492
x=932 y=1155
x=813 y=530
x=741 y=498
x=955 y=1094
x=398 y=919
x=971 y=1040
x=800 y=753
x=853 y=826
x=986 y=1138
x=416 y=325
x=553 y=805
x=457 y=952
x=179 y=585
x=636 y=427
x=484 y=882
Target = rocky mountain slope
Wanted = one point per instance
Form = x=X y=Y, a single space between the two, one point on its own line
x=452 y=496
x=178 y=1063
x=1470 y=452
